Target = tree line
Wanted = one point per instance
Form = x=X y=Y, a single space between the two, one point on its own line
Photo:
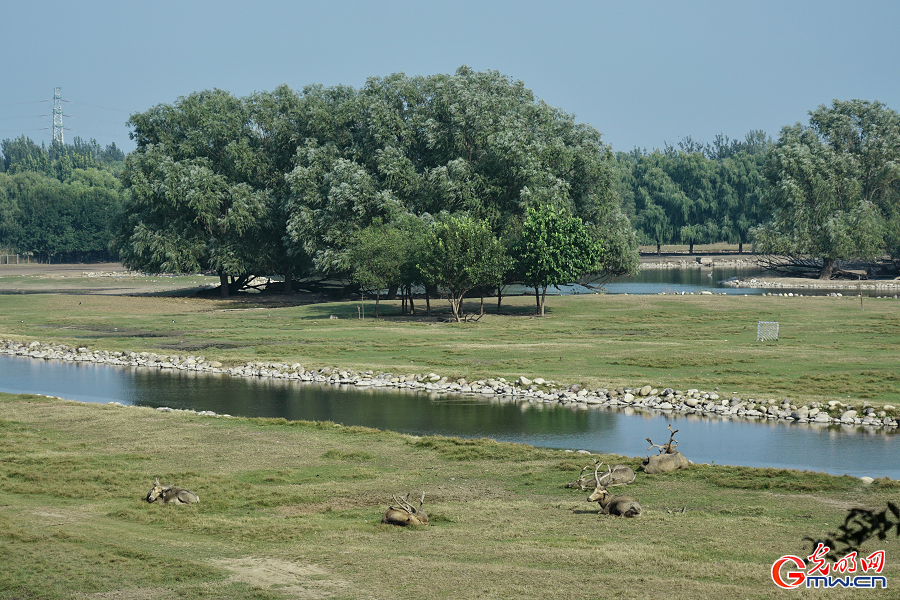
x=59 y=203
x=694 y=193
x=822 y=193
x=381 y=185
x=408 y=181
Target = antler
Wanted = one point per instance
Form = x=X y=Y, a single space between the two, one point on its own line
x=405 y=505
x=597 y=464
x=607 y=476
x=671 y=443
x=668 y=447
x=652 y=445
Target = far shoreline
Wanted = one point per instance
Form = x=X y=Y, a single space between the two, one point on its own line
x=666 y=260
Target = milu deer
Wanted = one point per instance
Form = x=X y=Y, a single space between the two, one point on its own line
x=617 y=475
x=669 y=459
x=405 y=514
x=171 y=495
x=621 y=506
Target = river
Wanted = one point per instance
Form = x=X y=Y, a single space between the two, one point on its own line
x=833 y=449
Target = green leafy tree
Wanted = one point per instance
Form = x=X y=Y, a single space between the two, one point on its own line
x=376 y=257
x=619 y=241
x=57 y=220
x=191 y=200
x=472 y=142
x=461 y=254
x=555 y=249
x=22 y=154
x=695 y=193
x=834 y=186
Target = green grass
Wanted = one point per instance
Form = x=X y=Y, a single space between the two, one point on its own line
x=293 y=509
x=829 y=348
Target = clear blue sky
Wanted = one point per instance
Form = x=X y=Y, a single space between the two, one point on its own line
x=643 y=73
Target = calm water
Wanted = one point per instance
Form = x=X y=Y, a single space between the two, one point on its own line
x=837 y=450
x=687 y=280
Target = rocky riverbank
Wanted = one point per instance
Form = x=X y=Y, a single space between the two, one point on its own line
x=524 y=389
x=653 y=262
x=889 y=287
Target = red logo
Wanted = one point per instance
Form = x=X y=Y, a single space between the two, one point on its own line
x=821 y=573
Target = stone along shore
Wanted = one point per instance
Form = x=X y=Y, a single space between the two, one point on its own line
x=537 y=390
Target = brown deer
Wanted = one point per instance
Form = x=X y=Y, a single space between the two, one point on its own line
x=406 y=513
x=171 y=495
x=619 y=474
x=620 y=506
x=669 y=459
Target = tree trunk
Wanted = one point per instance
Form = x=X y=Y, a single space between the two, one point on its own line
x=454 y=306
x=691 y=248
x=658 y=249
x=537 y=299
x=392 y=292
x=499 y=297
x=740 y=247
x=377 y=296
x=223 y=284
x=412 y=306
x=543 y=299
x=482 y=304
x=827 y=268
x=430 y=290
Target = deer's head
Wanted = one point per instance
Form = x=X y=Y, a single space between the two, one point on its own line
x=155 y=492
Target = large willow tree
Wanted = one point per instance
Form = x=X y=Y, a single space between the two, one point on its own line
x=284 y=181
x=835 y=186
x=476 y=143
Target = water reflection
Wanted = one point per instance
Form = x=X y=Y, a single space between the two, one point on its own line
x=833 y=449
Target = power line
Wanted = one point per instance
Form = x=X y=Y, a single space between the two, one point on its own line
x=21 y=103
x=97 y=106
x=88 y=124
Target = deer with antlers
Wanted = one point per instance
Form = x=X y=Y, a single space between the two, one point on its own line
x=405 y=514
x=621 y=506
x=669 y=459
x=618 y=475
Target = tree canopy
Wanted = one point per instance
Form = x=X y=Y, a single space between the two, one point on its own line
x=833 y=186
x=695 y=193
x=555 y=249
x=460 y=254
x=285 y=181
x=58 y=202
x=192 y=203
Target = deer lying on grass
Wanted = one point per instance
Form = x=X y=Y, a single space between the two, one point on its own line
x=619 y=474
x=621 y=506
x=406 y=513
x=171 y=495
x=669 y=459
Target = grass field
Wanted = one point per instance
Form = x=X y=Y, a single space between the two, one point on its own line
x=292 y=509
x=829 y=348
